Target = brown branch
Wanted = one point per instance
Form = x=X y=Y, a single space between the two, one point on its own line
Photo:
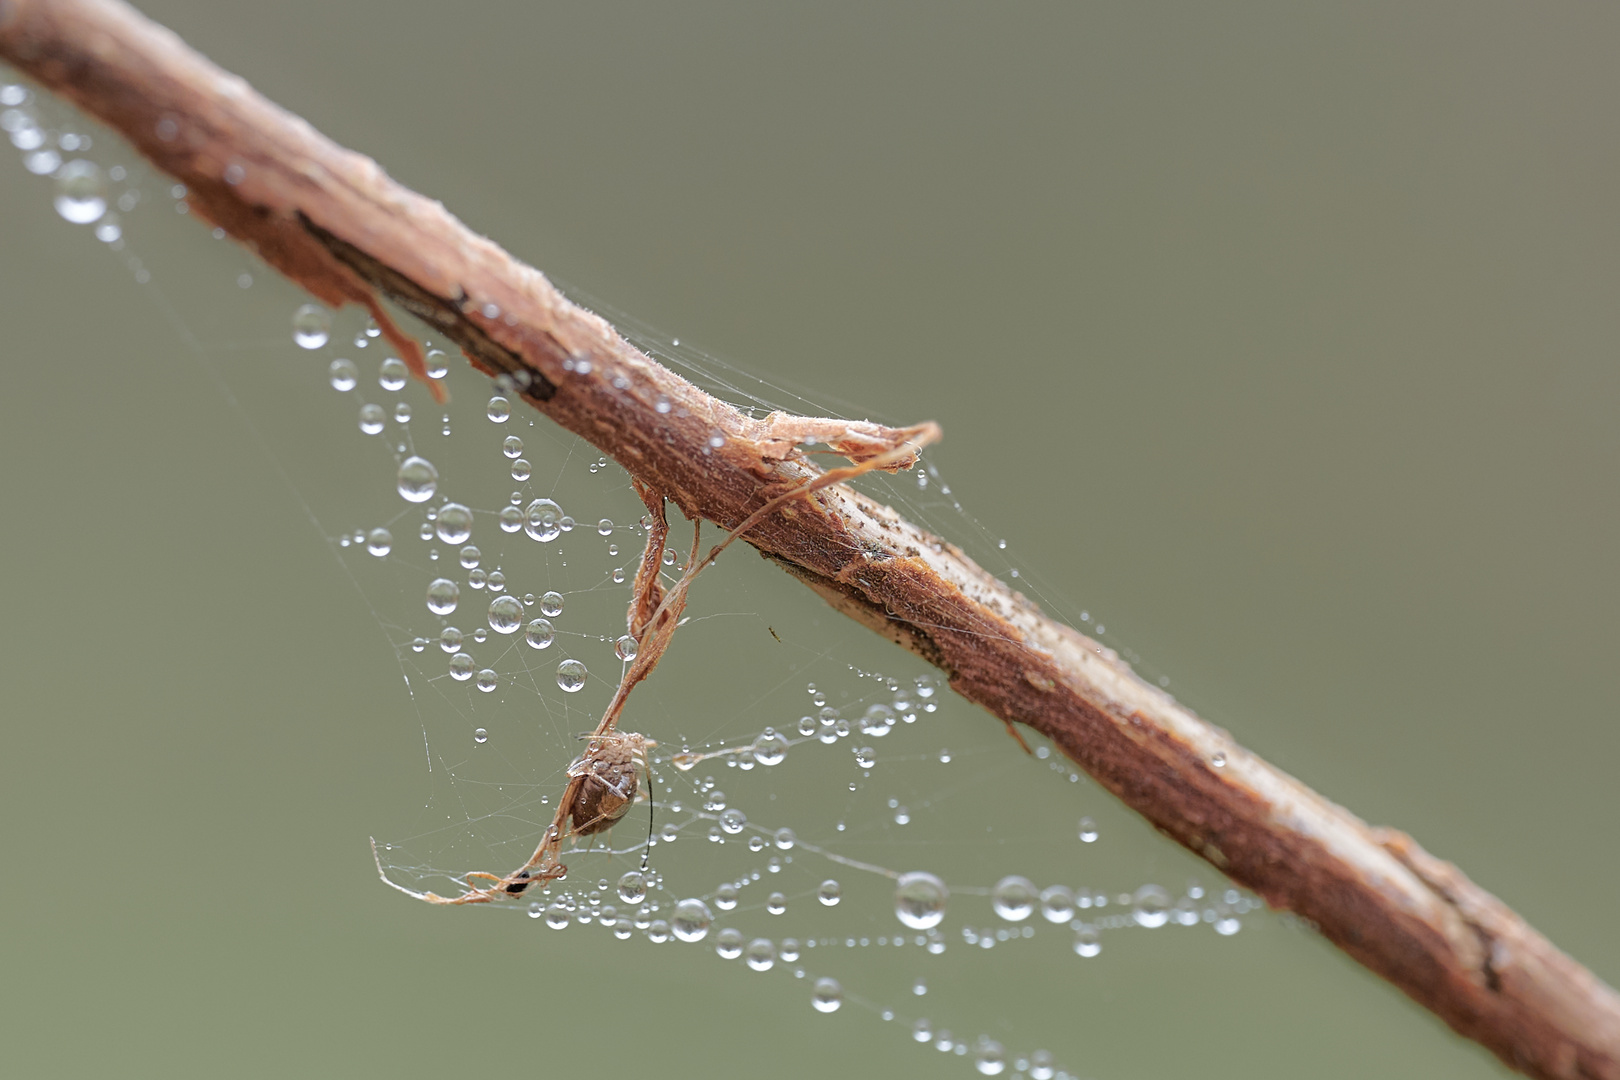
x=332 y=221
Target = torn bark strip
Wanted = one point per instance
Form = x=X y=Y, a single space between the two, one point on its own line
x=332 y=221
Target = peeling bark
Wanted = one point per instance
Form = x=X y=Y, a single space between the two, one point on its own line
x=332 y=221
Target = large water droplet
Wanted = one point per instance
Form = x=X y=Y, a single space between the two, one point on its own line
x=691 y=920
x=505 y=614
x=512 y=447
x=1085 y=942
x=488 y=680
x=551 y=605
x=379 y=542
x=732 y=821
x=633 y=887
x=392 y=373
x=81 y=194
x=760 y=954
x=442 y=596
x=498 y=410
x=571 y=675
x=1057 y=904
x=343 y=374
x=770 y=748
x=785 y=839
x=1152 y=906
x=991 y=1060
x=454 y=525
x=539 y=634
x=725 y=897
x=543 y=520
x=919 y=900
x=372 y=419
x=865 y=757
x=461 y=667
x=729 y=943
x=827 y=996
x=418 y=479
x=877 y=721
x=1088 y=830
x=625 y=648
x=557 y=917
x=1013 y=898
x=312 y=325
x=1041 y=1065
x=830 y=893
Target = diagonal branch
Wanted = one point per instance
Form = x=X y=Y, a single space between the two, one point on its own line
x=332 y=221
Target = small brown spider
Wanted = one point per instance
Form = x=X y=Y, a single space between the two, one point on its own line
x=610 y=772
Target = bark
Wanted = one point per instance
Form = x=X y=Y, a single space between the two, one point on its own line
x=332 y=221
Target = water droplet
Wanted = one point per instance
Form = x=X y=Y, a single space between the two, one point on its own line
x=605 y=527
x=776 y=903
x=1085 y=942
x=1218 y=760
x=1152 y=906
x=522 y=470
x=865 y=757
x=454 y=524
x=658 y=931
x=81 y=193
x=830 y=893
x=505 y=614
x=691 y=920
x=1057 y=904
x=760 y=954
x=379 y=542
x=877 y=721
x=469 y=556
x=539 y=634
x=725 y=897
x=625 y=648
x=343 y=374
x=571 y=676
x=450 y=639
x=1088 y=830
x=512 y=446
x=499 y=409
x=922 y=1031
x=418 y=479
x=785 y=839
x=715 y=801
x=511 y=519
x=551 y=605
x=442 y=596
x=633 y=887
x=480 y=736
x=902 y=816
x=944 y=757
x=557 y=917
x=732 y=821
x=391 y=374
x=461 y=667
x=920 y=899
x=543 y=521
x=661 y=404
x=991 y=1059
x=827 y=996
x=1013 y=898
x=437 y=364
x=729 y=943
x=487 y=680
x=770 y=748
x=402 y=413
x=312 y=326
x=372 y=419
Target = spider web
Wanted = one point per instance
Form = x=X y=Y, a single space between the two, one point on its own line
x=824 y=816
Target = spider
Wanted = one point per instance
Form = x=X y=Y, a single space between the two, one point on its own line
x=605 y=780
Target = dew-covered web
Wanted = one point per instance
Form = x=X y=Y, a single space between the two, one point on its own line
x=825 y=816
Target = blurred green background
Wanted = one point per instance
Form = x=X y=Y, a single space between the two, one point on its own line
x=1283 y=339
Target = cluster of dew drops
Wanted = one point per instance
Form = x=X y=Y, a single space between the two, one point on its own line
x=451 y=523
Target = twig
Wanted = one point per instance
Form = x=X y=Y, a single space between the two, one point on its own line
x=333 y=222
